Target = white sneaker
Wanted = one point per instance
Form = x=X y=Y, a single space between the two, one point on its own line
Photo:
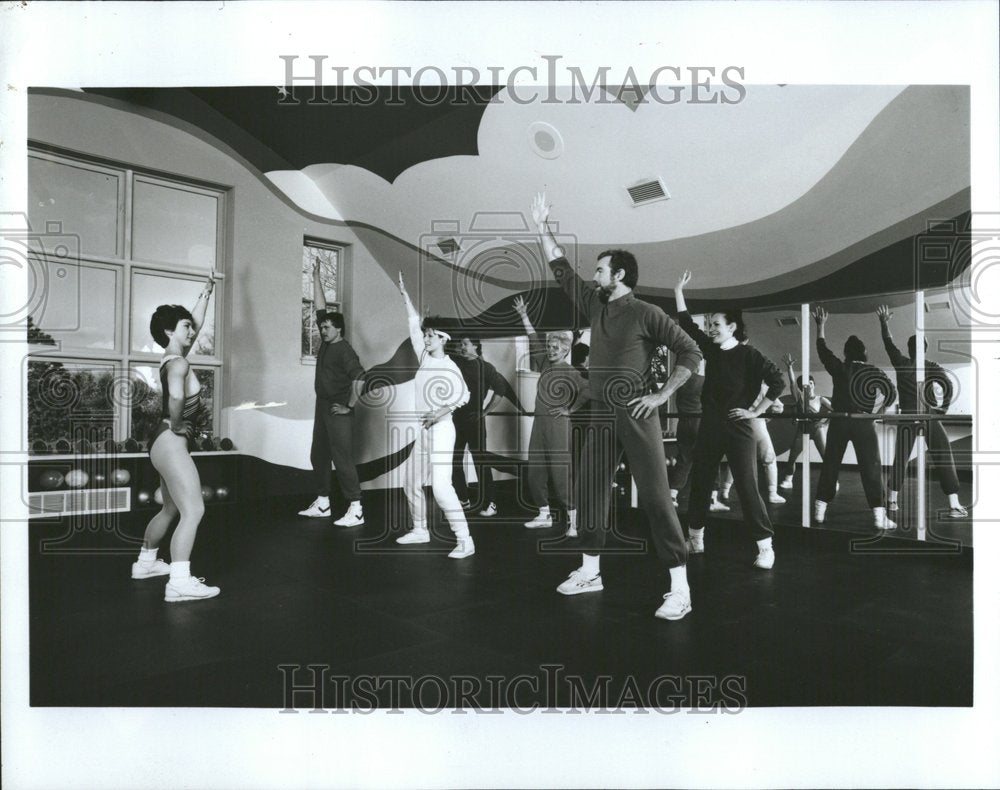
x=819 y=511
x=144 y=570
x=571 y=531
x=882 y=521
x=489 y=511
x=718 y=507
x=892 y=507
x=464 y=548
x=765 y=559
x=675 y=605
x=696 y=543
x=354 y=517
x=958 y=512
x=540 y=522
x=415 y=536
x=465 y=503
x=578 y=583
x=787 y=483
x=315 y=511
x=190 y=588
x=775 y=498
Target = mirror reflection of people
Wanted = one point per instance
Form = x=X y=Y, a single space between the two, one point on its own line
x=938 y=394
x=560 y=391
x=439 y=389
x=339 y=383
x=805 y=401
x=857 y=387
x=731 y=399
x=623 y=333
x=175 y=329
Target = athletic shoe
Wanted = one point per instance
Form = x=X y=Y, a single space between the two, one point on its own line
x=466 y=504
x=675 y=605
x=958 y=512
x=315 y=511
x=571 y=532
x=819 y=511
x=354 y=517
x=489 y=511
x=540 y=522
x=775 y=498
x=144 y=570
x=415 y=536
x=190 y=588
x=718 y=507
x=765 y=559
x=892 y=507
x=882 y=521
x=696 y=543
x=464 y=548
x=787 y=483
x=579 y=583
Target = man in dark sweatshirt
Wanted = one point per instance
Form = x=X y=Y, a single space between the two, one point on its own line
x=624 y=331
x=937 y=440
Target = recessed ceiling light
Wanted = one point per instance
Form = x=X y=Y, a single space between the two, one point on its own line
x=544 y=139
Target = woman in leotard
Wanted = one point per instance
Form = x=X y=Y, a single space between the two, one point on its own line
x=175 y=328
x=813 y=404
x=730 y=400
x=439 y=389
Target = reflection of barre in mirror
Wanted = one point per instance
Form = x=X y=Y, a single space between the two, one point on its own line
x=250 y=404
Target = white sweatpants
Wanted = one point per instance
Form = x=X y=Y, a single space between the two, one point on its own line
x=430 y=464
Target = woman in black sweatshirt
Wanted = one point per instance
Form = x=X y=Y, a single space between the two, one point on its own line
x=733 y=377
x=856 y=387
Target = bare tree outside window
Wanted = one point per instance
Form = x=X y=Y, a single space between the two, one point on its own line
x=329 y=275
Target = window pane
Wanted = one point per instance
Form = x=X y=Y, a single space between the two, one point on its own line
x=149 y=291
x=85 y=201
x=172 y=225
x=79 y=307
x=147 y=401
x=310 y=333
x=329 y=260
x=70 y=402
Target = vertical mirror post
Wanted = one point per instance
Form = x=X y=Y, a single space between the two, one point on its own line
x=922 y=427
x=806 y=480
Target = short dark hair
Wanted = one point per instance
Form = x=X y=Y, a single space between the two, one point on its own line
x=911 y=346
x=333 y=317
x=434 y=323
x=854 y=349
x=474 y=340
x=798 y=381
x=623 y=260
x=579 y=354
x=166 y=317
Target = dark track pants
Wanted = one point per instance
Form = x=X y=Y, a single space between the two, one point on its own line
x=860 y=433
x=939 y=456
x=608 y=434
x=687 y=438
x=333 y=440
x=549 y=459
x=736 y=440
x=472 y=434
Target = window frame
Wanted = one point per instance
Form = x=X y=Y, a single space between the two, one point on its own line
x=343 y=255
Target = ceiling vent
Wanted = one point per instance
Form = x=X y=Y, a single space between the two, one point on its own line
x=448 y=246
x=648 y=191
x=935 y=306
x=788 y=320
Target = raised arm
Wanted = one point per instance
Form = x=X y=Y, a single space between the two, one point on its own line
x=572 y=285
x=413 y=320
x=536 y=349
x=793 y=388
x=319 y=298
x=684 y=317
x=895 y=355
x=830 y=361
x=201 y=305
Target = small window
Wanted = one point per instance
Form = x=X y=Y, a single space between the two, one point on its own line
x=330 y=261
x=174 y=224
x=79 y=309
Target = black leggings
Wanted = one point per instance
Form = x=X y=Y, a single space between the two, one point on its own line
x=472 y=434
x=860 y=433
x=736 y=440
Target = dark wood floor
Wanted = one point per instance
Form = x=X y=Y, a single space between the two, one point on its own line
x=887 y=622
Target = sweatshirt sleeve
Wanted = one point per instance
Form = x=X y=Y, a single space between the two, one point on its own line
x=895 y=355
x=828 y=358
x=582 y=297
x=461 y=395
x=664 y=331
x=353 y=364
x=416 y=336
x=770 y=374
x=687 y=323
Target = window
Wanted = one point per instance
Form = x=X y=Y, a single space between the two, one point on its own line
x=330 y=258
x=136 y=241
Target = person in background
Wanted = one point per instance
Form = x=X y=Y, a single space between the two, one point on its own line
x=175 y=330
x=485 y=385
x=339 y=383
x=730 y=399
x=935 y=378
x=806 y=402
x=623 y=333
x=687 y=401
x=856 y=389
x=439 y=389
x=560 y=390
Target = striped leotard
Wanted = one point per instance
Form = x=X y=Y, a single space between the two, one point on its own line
x=192 y=399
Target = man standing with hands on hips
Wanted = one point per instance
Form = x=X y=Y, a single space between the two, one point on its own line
x=338 y=387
